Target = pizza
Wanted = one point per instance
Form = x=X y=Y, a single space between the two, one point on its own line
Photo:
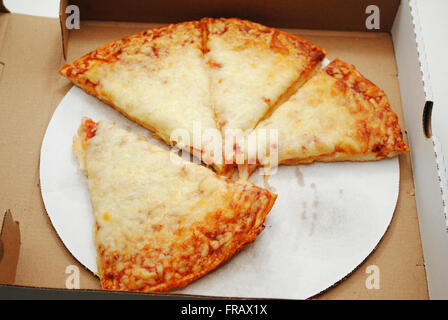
x=210 y=74
x=159 y=79
x=338 y=115
x=160 y=221
x=253 y=68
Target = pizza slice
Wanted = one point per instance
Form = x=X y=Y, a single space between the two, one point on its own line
x=253 y=68
x=337 y=115
x=157 y=78
x=160 y=221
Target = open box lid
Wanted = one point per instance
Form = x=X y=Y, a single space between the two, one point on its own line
x=52 y=54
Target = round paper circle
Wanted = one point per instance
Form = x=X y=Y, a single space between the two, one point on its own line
x=327 y=219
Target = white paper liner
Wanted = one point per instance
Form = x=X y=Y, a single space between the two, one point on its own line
x=327 y=219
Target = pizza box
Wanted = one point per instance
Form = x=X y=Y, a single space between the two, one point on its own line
x=32 y=49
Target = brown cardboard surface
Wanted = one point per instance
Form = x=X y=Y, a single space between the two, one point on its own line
x=31 y=53
x=30 y=90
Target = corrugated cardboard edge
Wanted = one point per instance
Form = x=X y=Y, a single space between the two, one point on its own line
x=443 y=177
x=441 y=168
x=64 y=30
x=9 y=248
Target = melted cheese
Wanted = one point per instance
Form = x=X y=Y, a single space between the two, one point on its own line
x=331 y=119
x=162 y=221
x=165 y=93
x=161 y=79
x=250 y=71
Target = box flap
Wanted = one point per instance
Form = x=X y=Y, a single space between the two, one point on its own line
x=416 y=101
x=9 y=248
x=337 y=15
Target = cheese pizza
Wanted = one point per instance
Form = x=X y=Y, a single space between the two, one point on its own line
x=160 y=221
x=157 y=78
x=337 y=115
x=253 y=68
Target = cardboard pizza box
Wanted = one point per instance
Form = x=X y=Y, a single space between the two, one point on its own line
x=32 y=49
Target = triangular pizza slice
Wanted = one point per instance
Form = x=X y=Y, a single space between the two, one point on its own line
x=253 y=68
x=337 y=115
x=160 y=221
x=157 y=78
